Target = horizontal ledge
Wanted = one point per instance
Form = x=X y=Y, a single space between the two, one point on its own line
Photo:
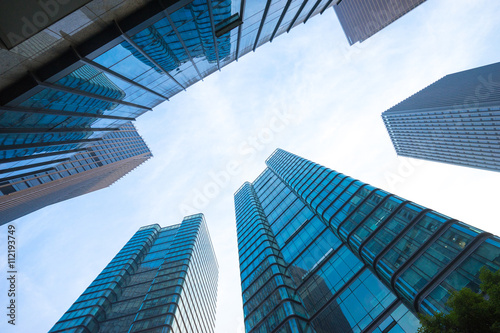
x=32 y=157
x=55 y=130
x=47 y=144
x=34 y=165
x=26 y=174
x=90 y=95
x=63 y=113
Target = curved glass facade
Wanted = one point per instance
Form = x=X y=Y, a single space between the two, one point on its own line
x=120 y=72
x=163 y=280
x=132 y=66
x=347 y=256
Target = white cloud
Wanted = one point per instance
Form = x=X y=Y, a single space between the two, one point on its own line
x=336 y=95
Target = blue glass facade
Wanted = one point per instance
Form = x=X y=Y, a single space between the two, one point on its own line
x=455 y=120
x=24 y=189
x=162 y=280
x=130 y=67
x=323 y=252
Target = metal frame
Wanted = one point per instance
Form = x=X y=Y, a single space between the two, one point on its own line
x=212 y=23
x=421 y=250
x=312 y=10
x=47 y=144
x=396 y=239
x=282 y=16
x=296 y=16
x=449 y=268
x=34 y=165
x=340 y=291
x=167 y=16
x=326 y=6
x=228 y=24
x=262 y=22
x=57 y=130
x=90 y=95
x=324 y=188
x=337 y=229
x=242 y=14
x=26 y=174
x=387 y=219
x=121 y=77
x=62 y=113
x=22 y=158
x=383 y=316
x=141 y=51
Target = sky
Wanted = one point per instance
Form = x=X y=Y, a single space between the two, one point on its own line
x=307 y=92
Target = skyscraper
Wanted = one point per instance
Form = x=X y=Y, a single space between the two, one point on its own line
x=455 y=120
x=361 y=19
x=120 y=61
x=322 y=252
x=28 y=184
x=162 y=280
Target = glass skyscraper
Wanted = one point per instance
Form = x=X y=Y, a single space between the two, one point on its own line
x=455 y=120
x=126 y=65
x=61 y=177
x=162 y=280
x=323 y=252
x=361 y=19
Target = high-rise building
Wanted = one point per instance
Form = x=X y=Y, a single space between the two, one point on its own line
x=162 y=280
x=28 y=184
x=455 y=120
x=361 y=19
x=323 y=252
x=103 y=64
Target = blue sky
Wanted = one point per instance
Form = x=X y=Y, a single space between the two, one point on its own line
x=308 y=92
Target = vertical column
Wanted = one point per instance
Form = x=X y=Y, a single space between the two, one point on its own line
x=268 y=291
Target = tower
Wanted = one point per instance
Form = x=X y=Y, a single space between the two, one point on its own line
x=86 y=80
x=361 y=19
x=30 y=183
x=162 y=279
x=323 y=252
x=455 y=120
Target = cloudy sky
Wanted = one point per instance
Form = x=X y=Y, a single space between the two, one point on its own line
x=308 y=92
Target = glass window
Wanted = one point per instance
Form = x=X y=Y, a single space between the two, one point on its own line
x=354 y=309
x=466 y=275
x=360 y=213
x=410 y=242
x=340 y=197
x=434 y=259
x=390 y=231
x=293 y=224
x=320 y=287
x=313 y=255
x=374 y=220
x=401 y=320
